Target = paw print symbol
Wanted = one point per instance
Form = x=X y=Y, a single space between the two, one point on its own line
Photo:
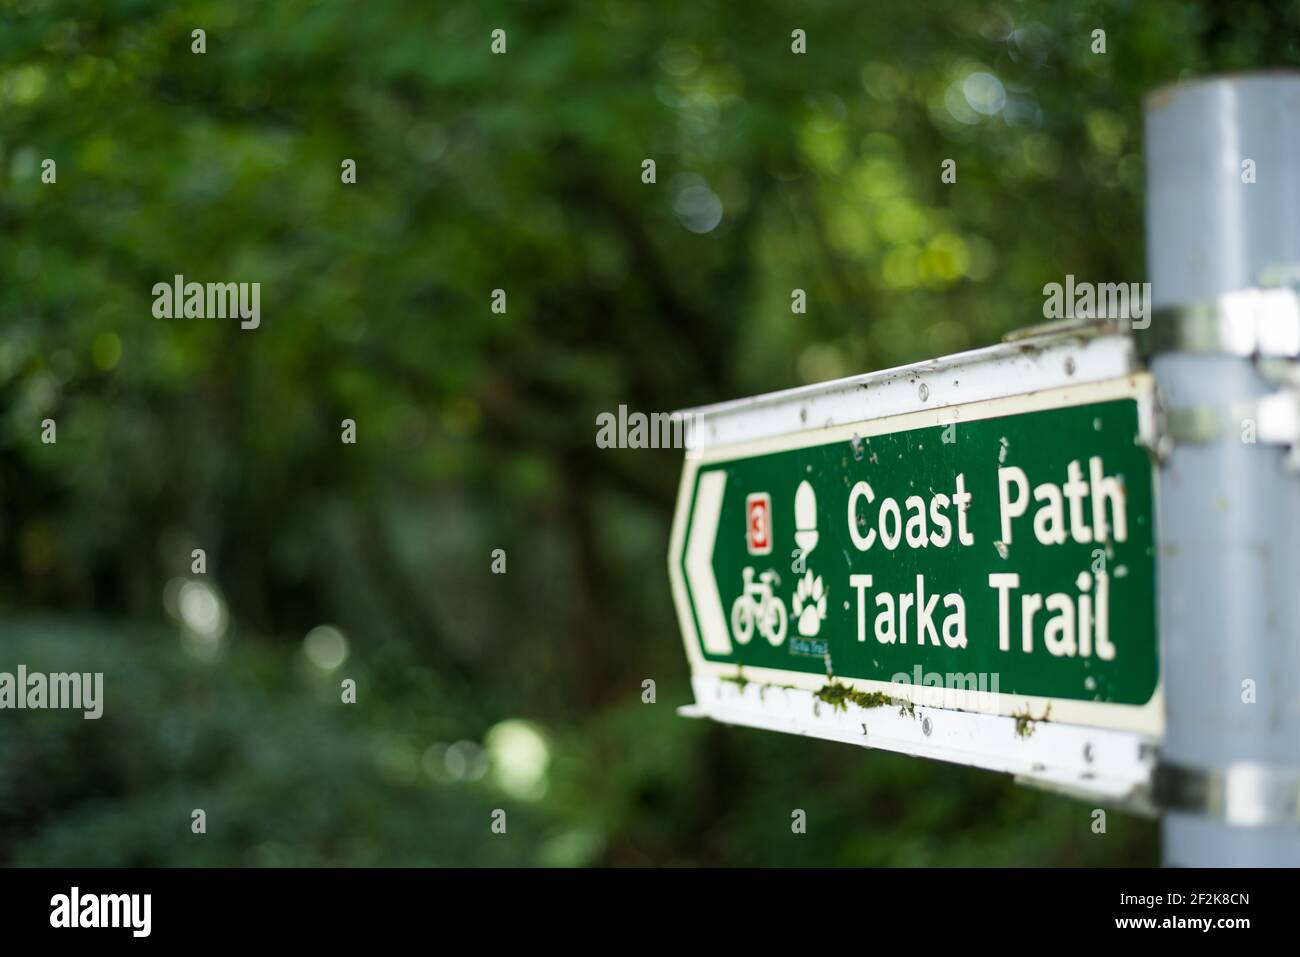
x=809 y=604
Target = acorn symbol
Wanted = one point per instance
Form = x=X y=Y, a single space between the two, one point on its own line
x=805 y=518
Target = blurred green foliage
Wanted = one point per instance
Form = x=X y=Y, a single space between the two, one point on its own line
x=476 y=430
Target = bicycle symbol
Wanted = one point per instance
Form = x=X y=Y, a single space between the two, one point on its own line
x=757 y=605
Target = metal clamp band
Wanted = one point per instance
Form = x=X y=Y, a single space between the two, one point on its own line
x=1274 y=418
x=1247 y=322
x=1242 y=794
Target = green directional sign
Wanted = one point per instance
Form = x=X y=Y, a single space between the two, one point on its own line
x=1009 y=541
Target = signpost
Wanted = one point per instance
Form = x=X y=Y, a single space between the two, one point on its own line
x=1223 y=252
x=954 y=559
x=1073 y=556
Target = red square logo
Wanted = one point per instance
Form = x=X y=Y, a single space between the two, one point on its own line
x=758 y=523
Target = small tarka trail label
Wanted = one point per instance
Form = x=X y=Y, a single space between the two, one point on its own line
x=1011 y=539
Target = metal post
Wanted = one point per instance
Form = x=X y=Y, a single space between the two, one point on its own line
x=1229 y=561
